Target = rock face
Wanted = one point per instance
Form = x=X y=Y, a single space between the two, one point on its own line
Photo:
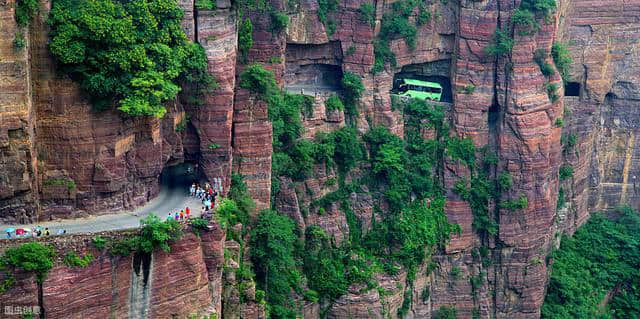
x=59 y=159
x=18 y=163
x=186 y=281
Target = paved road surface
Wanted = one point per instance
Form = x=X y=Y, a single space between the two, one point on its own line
x=169 y=200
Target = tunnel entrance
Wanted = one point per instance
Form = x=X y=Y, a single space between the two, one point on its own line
x=436 y=71
x=180 y=176
x=572 y=89
x=313 y=67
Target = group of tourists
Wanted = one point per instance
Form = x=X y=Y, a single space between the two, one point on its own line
x=28 y=232
x=183 y=215
x=206 y=194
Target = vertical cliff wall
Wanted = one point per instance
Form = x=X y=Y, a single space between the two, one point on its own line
x=186 y=281
x=18 y=163
x=58 y=158
x=602 y=41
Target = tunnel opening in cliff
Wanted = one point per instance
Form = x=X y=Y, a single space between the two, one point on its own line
x=436 y=71
x=180 y=176
x=313 y=67
x=572 y=89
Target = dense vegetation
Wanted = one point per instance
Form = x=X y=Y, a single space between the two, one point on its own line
x=32 y=257
x=404 y=175
x=603 y=256
x=132 y=54
x=396 y=25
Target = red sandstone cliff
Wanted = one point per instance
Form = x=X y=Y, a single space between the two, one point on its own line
x=47 y=131
x=186 y=281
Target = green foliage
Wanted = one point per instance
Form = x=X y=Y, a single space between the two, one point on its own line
x=279 y=21
x=513 y=205
x=562 y=60
x=199 y=223
x=213 y=146
x=352 y=90
x=461 y=149
x=552 y=91
x=478 y=192
x=183 y=124
x=525 y=22
x=367 y=13
x=561 y=199
x=18 y=41
x=245 y=39
x=501 y=44
x=205 y=4
x=61 y=181
x=383 y=55
x=347 y=148
x=132 y=54
x=26 y=11
x=559 y=122
x=323 y=265
x=540 y=57
x=32 y=257
x=476 y=282
x=334 y=103
x=156 y=233
x=325 y=7
x=424 y=15
x=99 y=242
x=455 y=272
x=351 y=50
x=601 y=255
x=446 y=312
x=272 y=252
x=505 y=181
x=394 y=25
x=565 y=172
x=544 y=7
x=228 y=214
x=71 y=259
x=568 y=141
x=467 y=89
x=239 y=193
x=257 y=79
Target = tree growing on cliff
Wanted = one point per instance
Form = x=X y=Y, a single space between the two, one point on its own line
x=501 y=44
x=245 y=39
x=26 y=11
x=352 y=90
x=131 y=54
x=273 y=241
x=33 y=257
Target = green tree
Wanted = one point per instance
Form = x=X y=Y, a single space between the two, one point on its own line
x=33 y=257
x=272 y=252
x=156 y=233
x=131 y=54
x=245 y=39
x=501 y=44
x=352 y=88
x=367 y=13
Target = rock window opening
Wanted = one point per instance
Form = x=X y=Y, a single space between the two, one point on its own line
x=572 y=89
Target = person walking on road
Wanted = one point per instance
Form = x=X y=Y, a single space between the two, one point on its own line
x=192 y=190
x=181 y=215
x=177 y=216
x=46 y=231
x=169 y=216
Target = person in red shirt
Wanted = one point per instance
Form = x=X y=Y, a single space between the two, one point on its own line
x=187 y=212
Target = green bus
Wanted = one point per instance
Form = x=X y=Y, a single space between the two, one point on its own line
x=421 y=90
